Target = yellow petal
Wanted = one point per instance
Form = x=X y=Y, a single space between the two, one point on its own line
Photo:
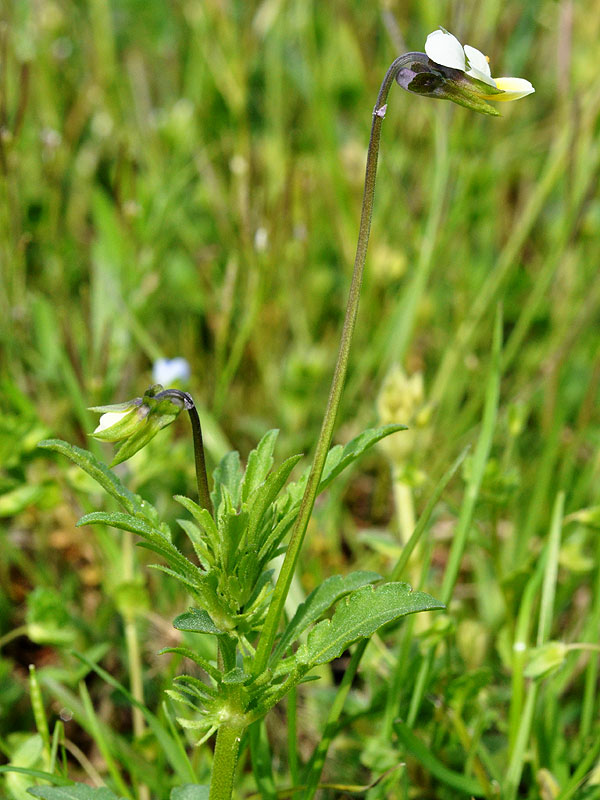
x=512 y=88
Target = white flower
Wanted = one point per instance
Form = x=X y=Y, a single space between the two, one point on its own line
x=109 y=419
x=443 y=48
x=168 y=370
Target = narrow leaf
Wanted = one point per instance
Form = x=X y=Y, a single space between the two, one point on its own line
x=358 y=616
x=100 y=473
x=462 y=783
x=193 y=656
x=190 y=791
x=154 y=536
x=260 y=462
x=266 y=494
x=78 y=791
x=317 y=603
x=339 y=458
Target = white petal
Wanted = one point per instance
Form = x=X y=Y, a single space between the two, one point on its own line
x=445 y=49
x=513 y=88
x=109 y=419
x=477 y=61
x=481 y=76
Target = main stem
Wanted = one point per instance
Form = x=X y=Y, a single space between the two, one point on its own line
x=282 y=586
x=225 y=758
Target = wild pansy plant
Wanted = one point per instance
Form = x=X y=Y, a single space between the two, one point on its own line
x=254 y=514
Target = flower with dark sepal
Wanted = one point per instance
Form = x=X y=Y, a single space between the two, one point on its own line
x=448 y=71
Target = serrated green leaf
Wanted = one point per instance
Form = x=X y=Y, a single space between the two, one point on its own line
x=190 y=791
x=340 y=457
x=318 y=601
x=100 y=473
x=358 y=616
x=196 y=620
x=79 y=791
x=260 y=462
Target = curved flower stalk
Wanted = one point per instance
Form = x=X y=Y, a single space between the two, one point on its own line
x=135 y=422
x=417 y=73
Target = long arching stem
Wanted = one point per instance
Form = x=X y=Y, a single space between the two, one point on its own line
x=269 y=631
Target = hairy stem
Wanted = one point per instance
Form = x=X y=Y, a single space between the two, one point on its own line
x=269 y=631
x=225 y=758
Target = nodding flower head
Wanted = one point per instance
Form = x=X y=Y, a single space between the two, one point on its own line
x=447 y=70
x=137 y=421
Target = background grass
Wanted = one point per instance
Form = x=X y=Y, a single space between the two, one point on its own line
x=184 y=179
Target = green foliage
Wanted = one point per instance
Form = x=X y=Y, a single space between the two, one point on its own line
x=74 y=792
x=358 y=616
x=316 y=604
x=141 y=154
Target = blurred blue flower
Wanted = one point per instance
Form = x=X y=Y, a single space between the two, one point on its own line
x=167 y=371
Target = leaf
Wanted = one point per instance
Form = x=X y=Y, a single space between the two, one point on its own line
x=79 y=791
x=265 y=495
x=168 y=741
x=318 y=601
x=340 y=457
x=194 y=534
x=157 y=541
x=228 y=474
x=190 y=791
x=204 y=520
x=57 y=780
x=196 y=620
x=100 y=473
x=260 y=462
x=358 y=616
x=193 y=656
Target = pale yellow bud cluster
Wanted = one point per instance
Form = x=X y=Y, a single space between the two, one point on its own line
x=402 y=399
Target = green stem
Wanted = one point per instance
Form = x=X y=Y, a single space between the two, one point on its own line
x=201 y=477
x=225 y=758
x=269 y=631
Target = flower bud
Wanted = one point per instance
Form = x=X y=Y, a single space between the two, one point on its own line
x=137 y=421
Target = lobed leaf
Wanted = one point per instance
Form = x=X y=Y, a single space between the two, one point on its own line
x=358 y=616
x=318 y=601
